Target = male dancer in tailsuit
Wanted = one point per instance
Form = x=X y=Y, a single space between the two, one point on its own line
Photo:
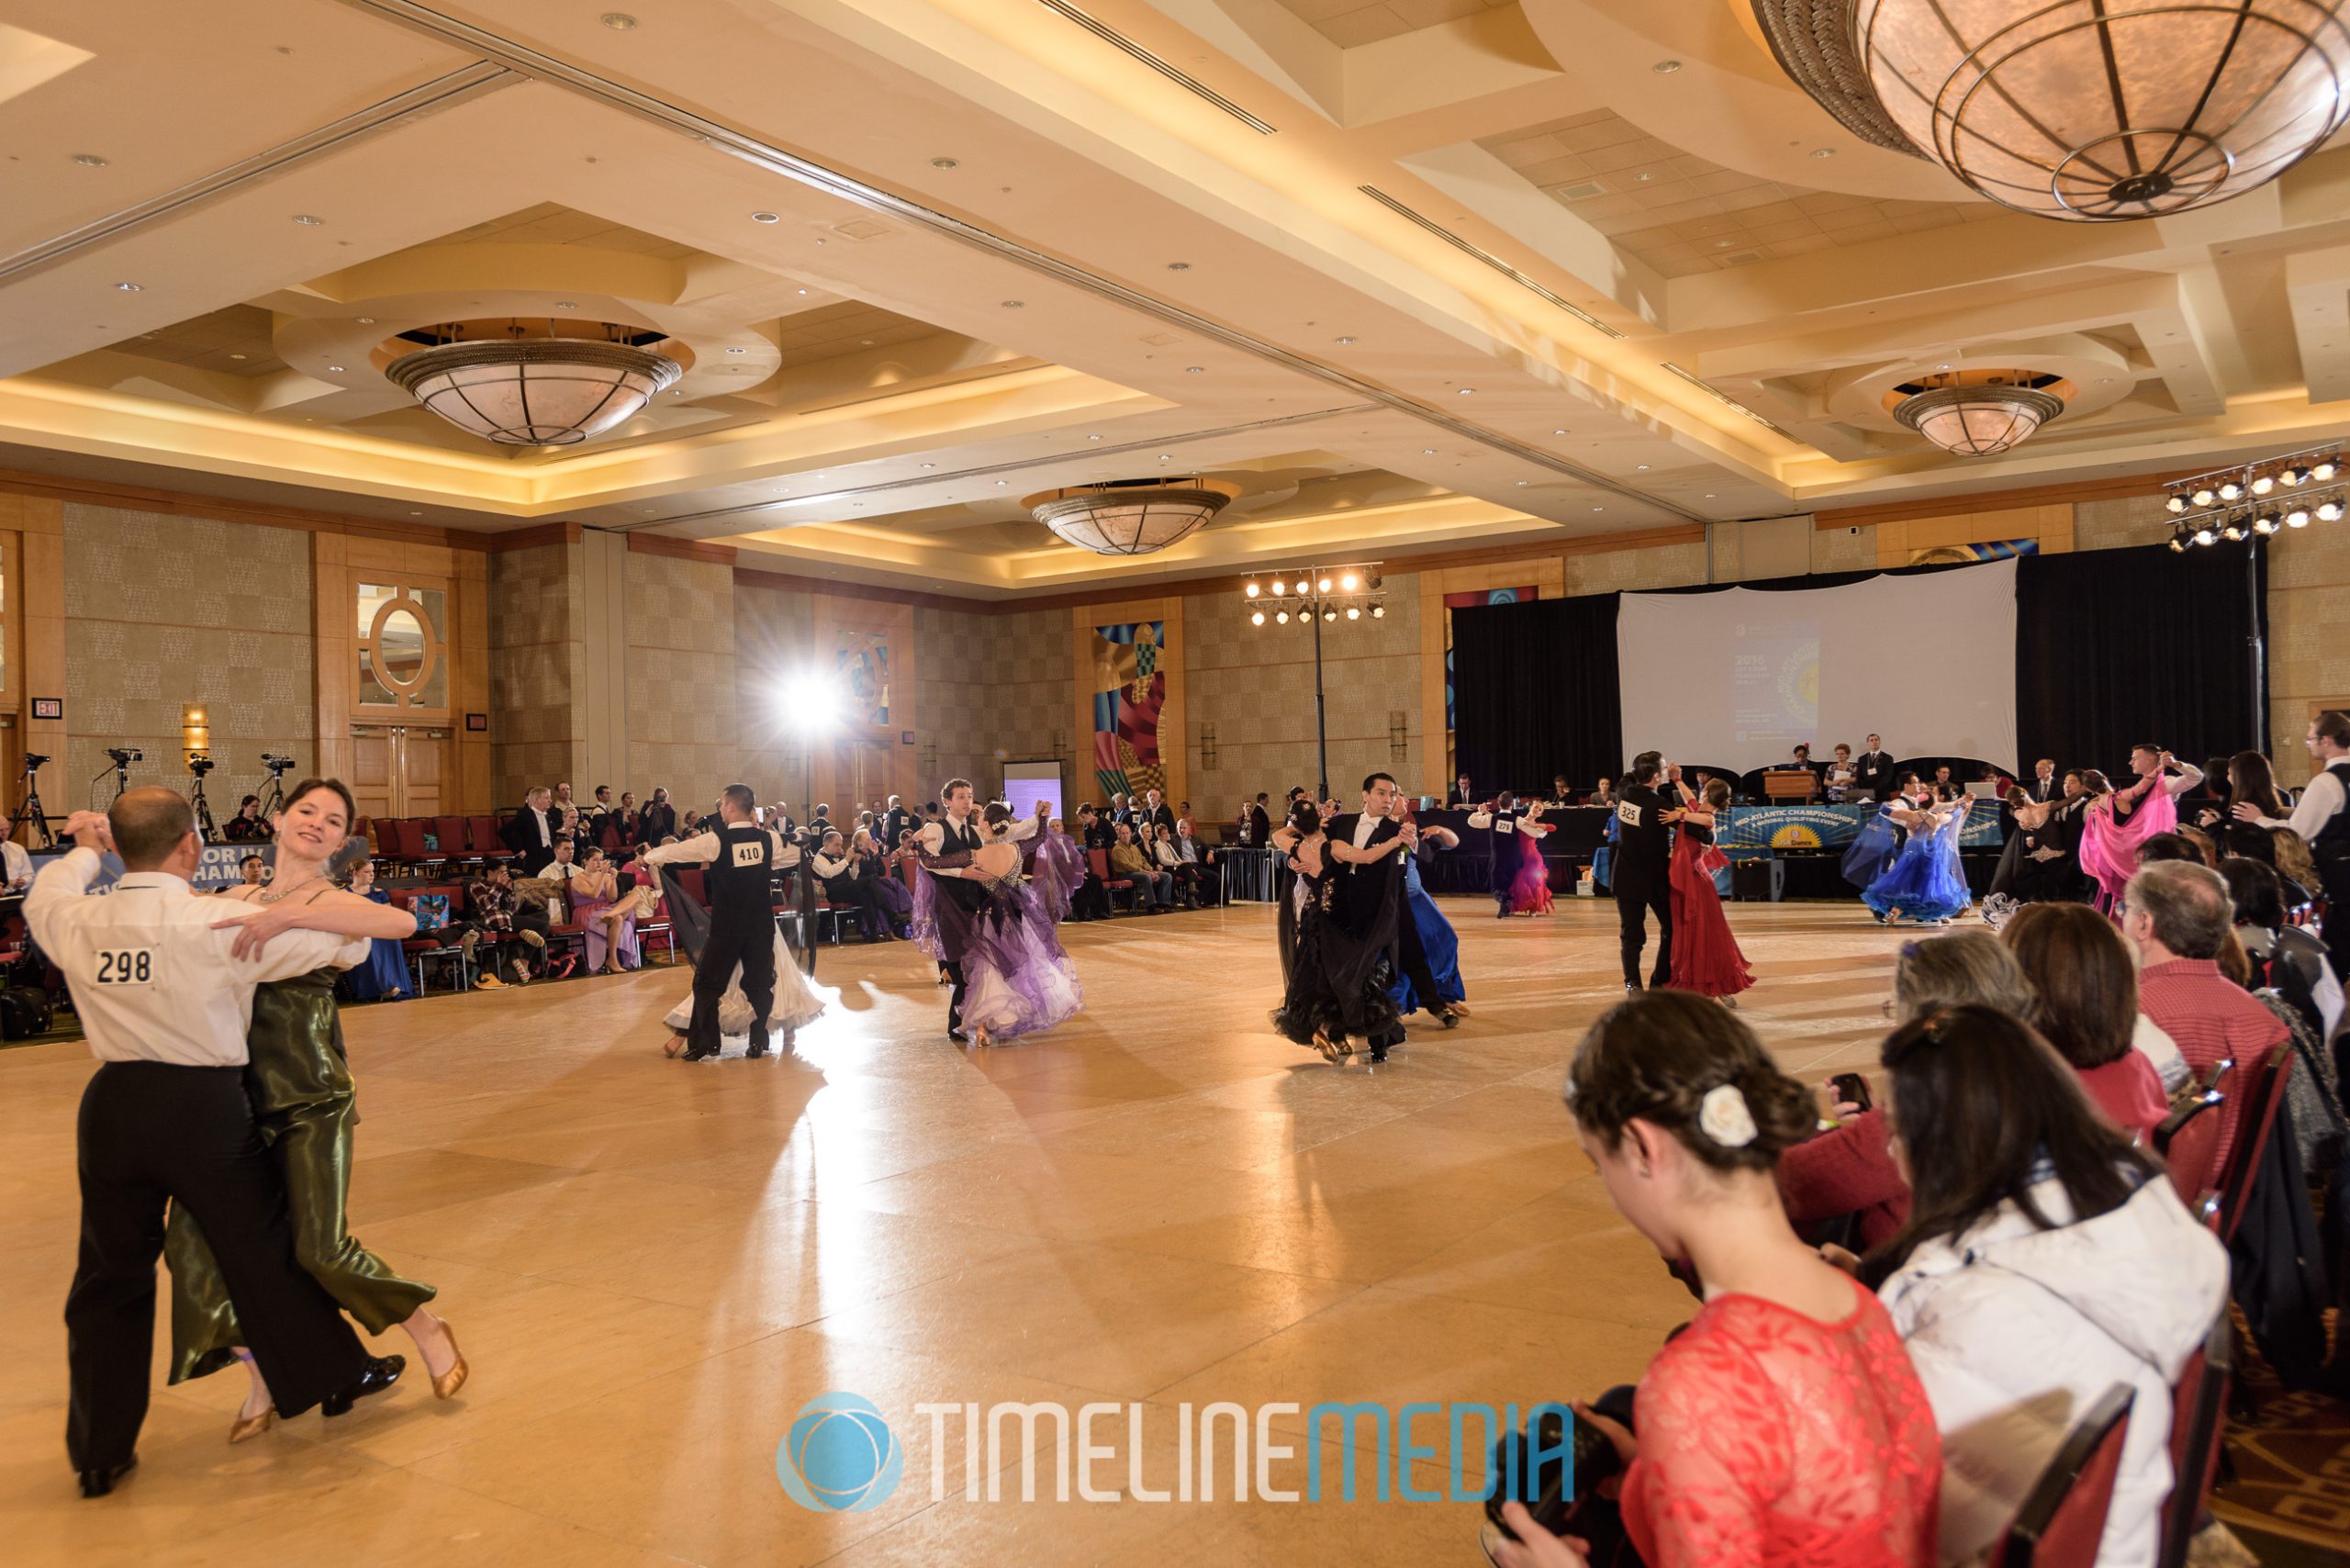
x=1645 y=809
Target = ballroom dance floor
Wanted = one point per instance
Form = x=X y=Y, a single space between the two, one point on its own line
x=653 y=1266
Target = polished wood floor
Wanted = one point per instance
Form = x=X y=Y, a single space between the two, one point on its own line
x=653 y=1265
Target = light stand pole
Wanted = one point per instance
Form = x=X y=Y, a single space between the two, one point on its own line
x=1319 y=594
x=1321 y=722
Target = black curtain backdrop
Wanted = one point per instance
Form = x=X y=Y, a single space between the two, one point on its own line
x=2113 y=647
x=1535 y=692
x=2116 y=647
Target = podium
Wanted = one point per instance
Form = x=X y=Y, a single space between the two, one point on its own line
x=1790 y=784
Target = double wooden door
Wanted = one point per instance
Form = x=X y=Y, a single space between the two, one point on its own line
x=397 y=769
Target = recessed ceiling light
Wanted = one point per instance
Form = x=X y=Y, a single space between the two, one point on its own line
x=999 y=484
x=567 y=305
x=1465 y=391
x=1641 y=467
x=1346 y=340
x=1599 y=509
x=1643 y=178
x=1428 y=452
x=366 y=320
x=128 y=287
x=306 y=220
x=1011 y=305
x=1724 y=244
x=236 y=356
x=865 y=343
x=1709 y=495
x=1823 y=152
x=1194 y=369
x=1093 y=438
x=946 y=163
x=415 y=514
x=1166 y=457
x=803 y=291
x=1558 y=433
x=930 y=464
x=1523 y=483
x=1665 y=67
x=765 y=218
x=335 y=367
x=89 y=160
x=738 y=351
x=619 y=21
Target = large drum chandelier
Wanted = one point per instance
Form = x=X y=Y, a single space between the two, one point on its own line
x=1978 y=413
x=2100 y=110
x=1130 y=517
x=518 y=384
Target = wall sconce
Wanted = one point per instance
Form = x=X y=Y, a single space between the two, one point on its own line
x=195 y=730
x=1207 y=747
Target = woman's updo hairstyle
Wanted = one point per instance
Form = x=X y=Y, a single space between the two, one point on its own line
x=1717 y=793
x=1306 y=817
x=1665 y=1057
x=996 y=815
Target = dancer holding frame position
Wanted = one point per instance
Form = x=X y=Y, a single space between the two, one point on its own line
x=1645 y=810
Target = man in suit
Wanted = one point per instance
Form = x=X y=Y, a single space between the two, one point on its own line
x=1157 y=813
x=1647 y=807
x=530 y=833
x=1872 y=772
x=895 y=820
x=659 y=820
x=1260 y=825
x=1367 y=905
x=1461 y=800
x=2045 y=784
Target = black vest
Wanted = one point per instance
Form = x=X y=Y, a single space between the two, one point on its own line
x=2332 y=845
x=965 y=891
x=737 y=878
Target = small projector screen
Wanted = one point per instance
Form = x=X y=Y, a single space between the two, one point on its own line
x=1025 y=783
x=1739 y=676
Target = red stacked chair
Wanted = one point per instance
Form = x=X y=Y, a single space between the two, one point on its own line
x=433 y=943
x=2188 y=1141
x=408 y=834
x=2199 y=1407
x=2262 y=1092
x=481 y=839
x=1099 y=859
x=451 y=832
x=2063 y=1519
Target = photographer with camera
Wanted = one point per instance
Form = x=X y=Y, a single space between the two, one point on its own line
x=246 y=826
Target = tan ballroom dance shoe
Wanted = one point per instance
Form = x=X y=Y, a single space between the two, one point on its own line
x=445 y=1385
x=247 y=1428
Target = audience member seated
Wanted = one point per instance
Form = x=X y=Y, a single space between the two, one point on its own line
x=1188 y=877
x=492 y=919
x=607 y=920
x=252 y=871
x=1849 y=1170
x=836 y=872
x=2084 y=1002
x=1091 y=900
x=2179 y=916
x=2290 y=958
x=383 y=976
x=1604 y=795
x=1129 y=859
x=880 y=872
x=1206 y=879
x=564 y=866
x=1782 y=1426
x=246 y=826
x=2045 y=1260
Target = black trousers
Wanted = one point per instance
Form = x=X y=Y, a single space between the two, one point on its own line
x=750 y=943
x=1631 y=909
x=953 y=997
x=152 y=1133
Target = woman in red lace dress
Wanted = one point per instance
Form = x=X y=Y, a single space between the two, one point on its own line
x=1706 y=958
x=1783 y=1427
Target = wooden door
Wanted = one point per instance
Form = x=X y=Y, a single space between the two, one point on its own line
x=397 y=769
x=374 y=765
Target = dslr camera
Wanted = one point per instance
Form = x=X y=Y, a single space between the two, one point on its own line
x=200 y=765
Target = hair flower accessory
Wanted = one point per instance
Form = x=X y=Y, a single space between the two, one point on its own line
x=1725 y=1118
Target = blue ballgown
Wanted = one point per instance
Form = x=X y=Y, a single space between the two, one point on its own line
x=1926 y=882
x=1871 y=854
x=1603 y=859
x=386 y=970
x=1437 y=939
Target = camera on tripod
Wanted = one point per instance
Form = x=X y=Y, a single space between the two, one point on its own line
x=277 y=765
x=201 y=765
x=124 y=755
x=34 y=760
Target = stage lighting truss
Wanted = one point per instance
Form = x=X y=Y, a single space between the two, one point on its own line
x=2279 y=510
x=2287 y=478
x=1316 y=593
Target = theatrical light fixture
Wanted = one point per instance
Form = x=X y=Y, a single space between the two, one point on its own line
x=1323 y=586
x=2217 y=493
x=2203 y=495
x=2322 y=469
x=1252 y=589
x=1279 y=588
x=1378 y=610
x=2264 y=524
x=2232 y=530
x=1329 y=615
x=2178 y=545
x=1348 y=582
x=2294 y=475
x=1280 y=616
x=1257 y=618
x=2330 y=510
x=1354 y=612
x=2231 y=491
x=2298 y=518
x=2176 y=503
x=2204 y=535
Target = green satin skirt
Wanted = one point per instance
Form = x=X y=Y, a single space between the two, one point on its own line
x=305 y=1108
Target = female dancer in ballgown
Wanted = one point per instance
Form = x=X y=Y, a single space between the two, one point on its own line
x=797 y=1003
x=1926 y=884
x=1333 y=996
x=1017 y=980
x=305 y=1108
x=2041 y=862
x=1439 y=944
x=1705 y=956
x=1872 y=853
x=383 y=976
x=2116 y=821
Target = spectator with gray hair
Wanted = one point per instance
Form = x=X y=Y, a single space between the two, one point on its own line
x=2178 y=916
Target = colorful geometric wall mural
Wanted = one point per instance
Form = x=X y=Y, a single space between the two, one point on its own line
x=863 y=661
x=1129 y=693
x=1960 y=554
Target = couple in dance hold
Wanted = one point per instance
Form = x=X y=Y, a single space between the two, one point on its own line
x=989 y=929
x=1664 y=862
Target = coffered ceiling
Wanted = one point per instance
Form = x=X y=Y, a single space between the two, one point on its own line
x=1416 y=276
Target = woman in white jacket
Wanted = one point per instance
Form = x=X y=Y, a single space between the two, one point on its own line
x=2045 y=1259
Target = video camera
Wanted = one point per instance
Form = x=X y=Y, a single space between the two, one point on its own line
x=275 y=763
x=201 y=765
x=124 y=755
x=34 y=760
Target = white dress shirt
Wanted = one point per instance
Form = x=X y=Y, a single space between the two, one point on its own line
x=19 y=865
x=546 y=835
x=828 y=866
x=933 y=834
x=703 y=848
x=153 y=981
x=2321 y=798
x=561 y=870
x=1529 y=824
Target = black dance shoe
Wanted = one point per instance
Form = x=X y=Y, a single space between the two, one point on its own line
x=1631 y=988
x=959 y=1037
x=379 y=1375
x=1449 y=1016
x=99 y=1482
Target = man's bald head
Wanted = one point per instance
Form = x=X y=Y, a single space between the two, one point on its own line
x=148 y=825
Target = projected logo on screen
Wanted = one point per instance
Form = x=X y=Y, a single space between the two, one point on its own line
x=1775 y=678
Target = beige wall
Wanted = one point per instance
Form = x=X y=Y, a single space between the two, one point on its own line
x=1252 y=688
x=682 y=702
x=992 y=687
x=161 y=611
x=774 y=633
x=536 y=673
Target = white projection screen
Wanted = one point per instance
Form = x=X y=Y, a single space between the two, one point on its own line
x=1025 y=783
x=1737 y=677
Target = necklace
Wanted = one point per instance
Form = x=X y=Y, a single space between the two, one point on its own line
x=273 y=896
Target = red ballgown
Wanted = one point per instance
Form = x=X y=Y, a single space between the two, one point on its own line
x=1706 y=958
x=1529 y=888
x=1768 y=1440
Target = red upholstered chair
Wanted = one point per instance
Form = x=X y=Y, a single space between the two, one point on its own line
x=2063 y=1519
x=408 y=833
x=658 y=923
x=1099 y=861
x=434 y=945
x=481 y=839
x=2261 y=1091
x=455 y=841
x=2199 y=1407
x=2187 y=1141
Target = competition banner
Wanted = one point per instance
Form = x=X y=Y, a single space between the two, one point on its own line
x=1798 y=828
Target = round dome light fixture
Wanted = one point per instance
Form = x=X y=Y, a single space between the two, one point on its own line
x=2089 y=111
x=517 y=384
x=1978 y=413
x=1131 y=517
